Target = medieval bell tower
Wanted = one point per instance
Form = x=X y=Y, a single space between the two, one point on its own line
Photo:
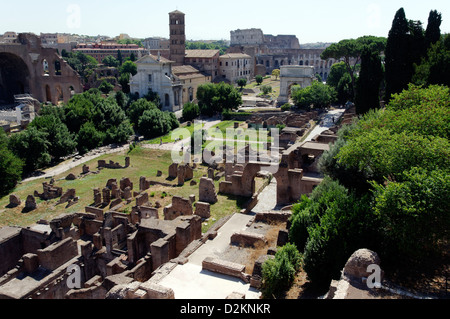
x=177 y=37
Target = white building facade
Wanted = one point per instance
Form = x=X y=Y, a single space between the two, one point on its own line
x=235 y=66
x=155 y=73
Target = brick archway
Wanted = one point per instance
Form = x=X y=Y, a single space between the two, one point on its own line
x=14 y=77
x=26 y=60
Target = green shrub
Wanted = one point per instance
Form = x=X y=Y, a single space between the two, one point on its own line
x=286 y=107
x=266 y=89
x=190 y=111
x=259 y=79
x=414 y=213
x=11 y=168
x=279 y=273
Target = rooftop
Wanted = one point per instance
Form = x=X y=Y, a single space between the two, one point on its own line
x=183 y=69
x=235 y=56
x=176 y=12
x=201 y=53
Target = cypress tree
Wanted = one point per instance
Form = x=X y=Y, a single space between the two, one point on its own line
x=370 y=76
x=399 y=69
x=417 y=49
x=119 y=57
x=433 y=32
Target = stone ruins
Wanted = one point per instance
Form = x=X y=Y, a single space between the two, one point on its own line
x=102 y=252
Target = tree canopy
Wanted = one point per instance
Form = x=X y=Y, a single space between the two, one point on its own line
x=214 y=98
x=317 y=95
x=350 y=50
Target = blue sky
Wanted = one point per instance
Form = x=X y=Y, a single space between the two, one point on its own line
x=310 y=21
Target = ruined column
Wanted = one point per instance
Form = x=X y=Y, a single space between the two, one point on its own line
x=107 y=235
x=97 y=197
x=180 y=173
x=106 y=195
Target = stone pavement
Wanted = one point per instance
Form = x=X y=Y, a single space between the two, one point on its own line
x=326 y=122
x=190 y=281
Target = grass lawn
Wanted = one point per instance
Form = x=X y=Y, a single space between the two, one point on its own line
x=143 y=162
x=224 y=125
x=168 y=137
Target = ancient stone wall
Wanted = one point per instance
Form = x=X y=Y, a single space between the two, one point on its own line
x=179 y=207
x=57 y=254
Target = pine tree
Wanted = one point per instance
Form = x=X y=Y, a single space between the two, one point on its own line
x=433 y=32
x=370 y=76
x=399 y=69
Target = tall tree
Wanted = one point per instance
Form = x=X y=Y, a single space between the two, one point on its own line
x=416 y=49
x=433 y=31
x=339 y=78
x=119 y=57
x=370 y=76
x=398 y=66
x=31 y=145
x=435 y=67
x=350 y=51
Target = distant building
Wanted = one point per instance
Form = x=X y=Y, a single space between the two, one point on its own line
x=271 y=52
x=176 y=85
x=206 y=61
x=247 y=37
x=49 y=38
x=191 y=79
x=234 y=66
x=99 y=51
x=156 y=43
x=8 y=37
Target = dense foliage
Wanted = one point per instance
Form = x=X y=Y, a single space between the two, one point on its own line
x=11 y=166
x=407 y=46
x=318 y=95
x=214 y=98
x=350 y=51
x=386 y=187
x=339 y=78
x=278 y=273
x=190 y=111
x=368 y=85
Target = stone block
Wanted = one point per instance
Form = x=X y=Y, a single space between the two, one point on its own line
x=223 y=267
x=71 y=177
x=207 y=192
x=173 y=170
x=30 y=203
x=203 y=209
x=30 y=262
x=248 y=239
x=14 y=201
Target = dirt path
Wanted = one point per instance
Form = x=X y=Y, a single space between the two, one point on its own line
x=71 y=163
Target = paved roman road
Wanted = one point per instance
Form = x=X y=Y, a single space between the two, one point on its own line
x=190 y=281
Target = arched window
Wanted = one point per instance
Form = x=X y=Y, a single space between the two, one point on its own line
x=48 y=93
x=57 y=67
x=45 y=66
x=166 y=100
